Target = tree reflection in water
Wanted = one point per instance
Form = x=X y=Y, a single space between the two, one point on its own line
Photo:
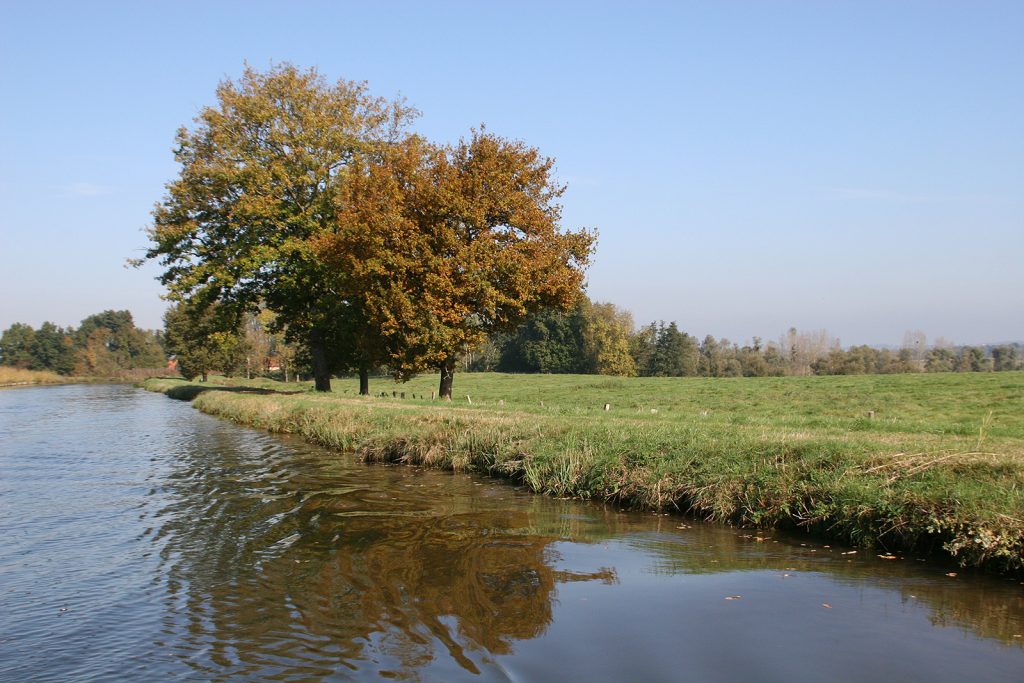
x=285 y=561
x=374 y=567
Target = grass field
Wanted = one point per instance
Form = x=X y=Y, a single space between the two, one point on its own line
x=893 y=461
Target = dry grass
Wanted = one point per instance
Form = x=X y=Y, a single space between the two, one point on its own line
x=16 y=377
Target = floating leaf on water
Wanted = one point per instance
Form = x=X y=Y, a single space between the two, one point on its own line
x=951 y=574
x=826 y=605
x=852 y=552
x=888 y=557
x=733 y=597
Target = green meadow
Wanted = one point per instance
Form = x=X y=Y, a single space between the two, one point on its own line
x=929 y=462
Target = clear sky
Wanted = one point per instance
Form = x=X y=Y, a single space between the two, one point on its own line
x=751 y=166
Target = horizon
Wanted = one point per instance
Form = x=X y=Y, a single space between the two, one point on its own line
x=853 y=168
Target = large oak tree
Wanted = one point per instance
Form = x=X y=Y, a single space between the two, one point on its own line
x=258 y=184
x=443 y=247
x=492 y=217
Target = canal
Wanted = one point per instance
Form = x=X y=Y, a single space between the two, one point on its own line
x=142 y=540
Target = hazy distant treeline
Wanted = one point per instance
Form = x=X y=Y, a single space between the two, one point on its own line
x=592 y=338
x=106 y=344
x=600 y=338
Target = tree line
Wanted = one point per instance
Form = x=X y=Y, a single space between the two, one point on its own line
x=369 y=246
x=105 y=344
x=600 y=338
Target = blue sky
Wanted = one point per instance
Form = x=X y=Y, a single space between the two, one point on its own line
x=751 y=166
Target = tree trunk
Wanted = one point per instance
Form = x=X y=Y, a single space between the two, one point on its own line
x=447 y=376
x=205 y=378
x=318 y=354
x=364 y=382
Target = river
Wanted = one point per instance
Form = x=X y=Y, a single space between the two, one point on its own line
x=143 y=540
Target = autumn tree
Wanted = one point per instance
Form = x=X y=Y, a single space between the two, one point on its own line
x=606 y=340
x=114 y=333
x=378 y=255
x=494 y=247
x=258 y=184
x=438 y=248
x=108 y=342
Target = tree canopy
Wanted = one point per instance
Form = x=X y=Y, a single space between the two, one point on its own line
x=444 y=246
x=369 y=246
x=258 y=181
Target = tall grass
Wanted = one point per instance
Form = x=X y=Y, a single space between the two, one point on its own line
x=919 y=461
x=16 y=376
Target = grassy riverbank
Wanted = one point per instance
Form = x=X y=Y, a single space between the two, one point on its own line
x=907 y=461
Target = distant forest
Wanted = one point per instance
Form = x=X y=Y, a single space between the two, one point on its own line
x=106 y=344
x=592 y=338
x=600 y=338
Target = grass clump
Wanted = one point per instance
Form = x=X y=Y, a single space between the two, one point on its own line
x=913 y=461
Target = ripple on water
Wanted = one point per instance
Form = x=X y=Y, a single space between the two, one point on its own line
x=142 y=540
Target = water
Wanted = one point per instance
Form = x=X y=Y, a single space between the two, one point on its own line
x=142 y=540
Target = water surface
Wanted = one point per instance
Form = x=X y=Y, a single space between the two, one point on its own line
x=141 y=540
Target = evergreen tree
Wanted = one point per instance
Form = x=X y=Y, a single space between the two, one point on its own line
x=548 y=342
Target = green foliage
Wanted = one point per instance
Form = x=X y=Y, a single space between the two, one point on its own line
x=257 y=186
x=973 y=359
x=1005 y=358
x=940 y=360
x=108 y=342
x=105 y=345
x=16 y=346
x=53 y=349
x=548 y=342
x=202 y=340
x=864 y=360
x=591 y=338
